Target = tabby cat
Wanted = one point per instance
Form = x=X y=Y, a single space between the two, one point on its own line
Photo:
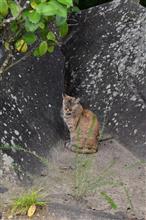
x=83 y=126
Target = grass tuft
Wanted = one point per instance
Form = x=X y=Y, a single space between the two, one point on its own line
x=109 y=200
x=21 y=204
x=17 y=148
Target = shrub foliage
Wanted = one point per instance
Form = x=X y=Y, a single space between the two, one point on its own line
x=31 y=27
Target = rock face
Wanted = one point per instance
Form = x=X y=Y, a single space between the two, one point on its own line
x=106 y=68
x=30 y=108
x=90 y=3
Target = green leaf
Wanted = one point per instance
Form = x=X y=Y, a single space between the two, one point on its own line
x=3 y=7
x=75 y=9
x=41 y=25
x=60 y=9
x=36 y=1
x=63 y=29
x=109 y=200
x=30 y=27
x=1 y=18
x=33 y=4
x=51 y=49
x=14 y=26
x=6 y=45
x=34 y=17
x=36 y=52
x=66 y=2
x=51 y=36
x=43 y=33
x=29 y=38
x=60 y=20
x=45 y=9
x=15 y=9
x=43 y=47
x=52 y=8
x=41 y=50
x=25 y=13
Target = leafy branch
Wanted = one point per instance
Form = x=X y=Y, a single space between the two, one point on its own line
x=31 y=27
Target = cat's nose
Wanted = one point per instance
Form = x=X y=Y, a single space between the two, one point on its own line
x=68 y=112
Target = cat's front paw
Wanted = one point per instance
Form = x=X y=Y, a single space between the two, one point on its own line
x=83 y=150
x=67 y=144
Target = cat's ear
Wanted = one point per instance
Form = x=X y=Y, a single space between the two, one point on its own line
x=77 y=100
x=65 y=95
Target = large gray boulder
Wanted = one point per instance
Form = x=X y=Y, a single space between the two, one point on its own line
x=30 y=109
x=106 y=68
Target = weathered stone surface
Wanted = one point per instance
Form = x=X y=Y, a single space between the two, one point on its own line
x=106 y=68
x=30 y=108
x=114 y=170
x=59 y=211
x=56 y=211
x=74 y=195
